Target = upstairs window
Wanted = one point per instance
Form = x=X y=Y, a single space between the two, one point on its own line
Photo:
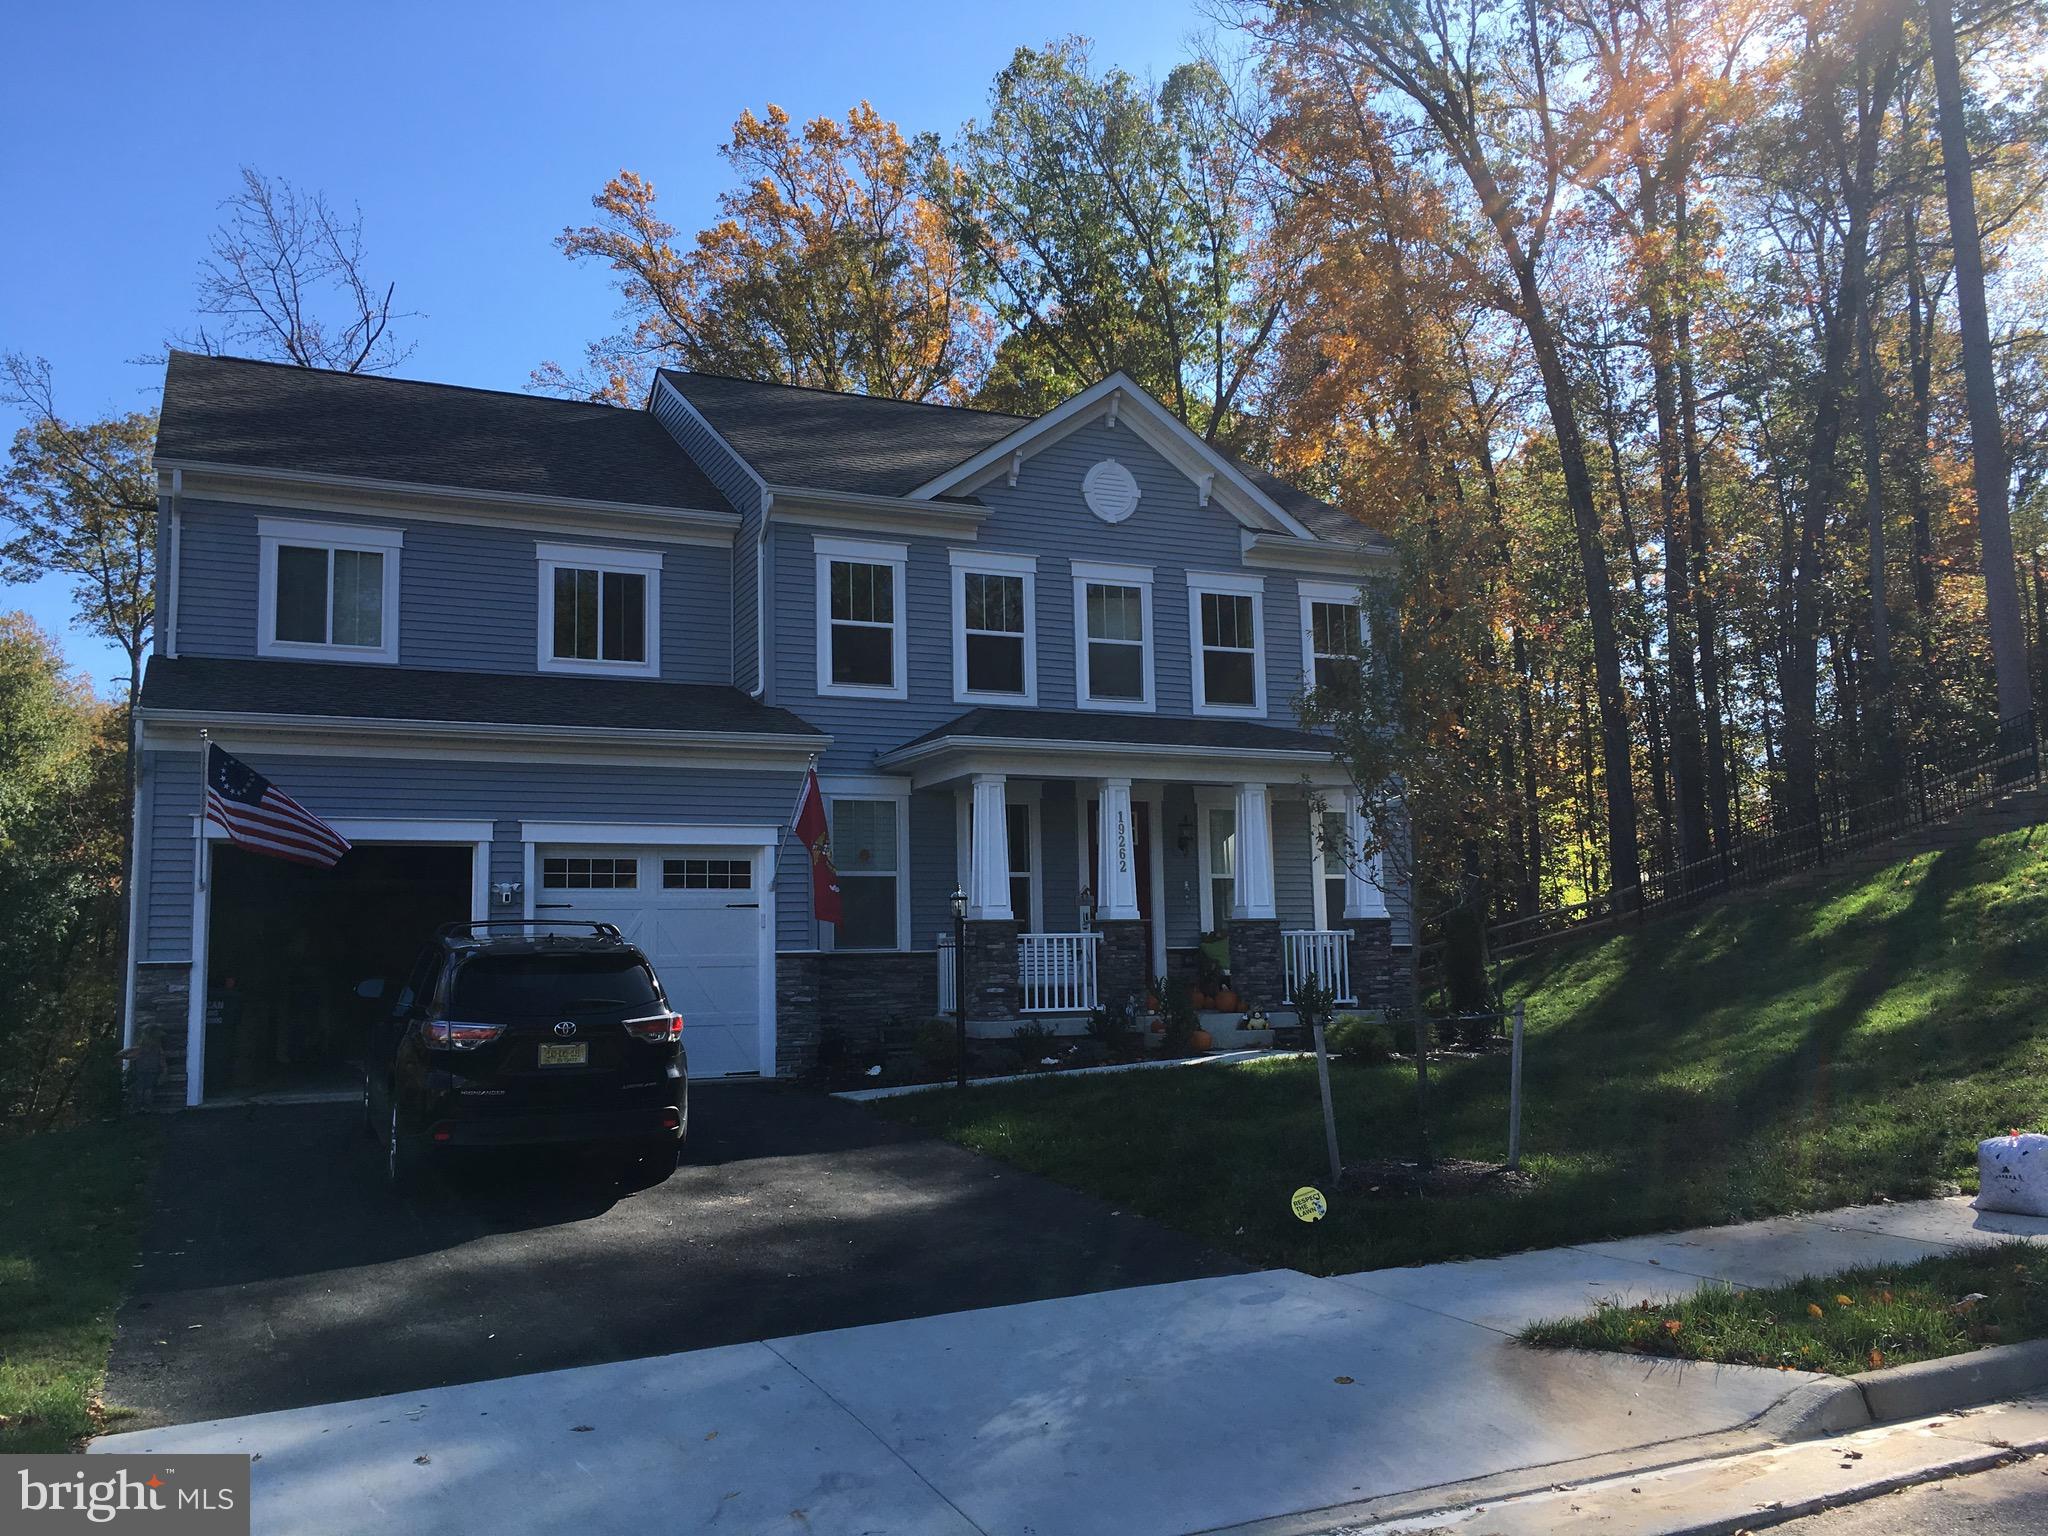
x=1113 y=636
x=327 y=590
x=597 y=609
x=860 y=618
x=1227 y=643
x=1332 y=634
x=995 y=648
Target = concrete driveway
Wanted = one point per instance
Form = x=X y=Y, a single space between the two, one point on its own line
x=277 y=1273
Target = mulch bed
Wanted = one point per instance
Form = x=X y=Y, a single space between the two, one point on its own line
x=1395 y=1178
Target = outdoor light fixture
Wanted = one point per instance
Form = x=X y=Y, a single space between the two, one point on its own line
x=959 y=901
x=1184 y=834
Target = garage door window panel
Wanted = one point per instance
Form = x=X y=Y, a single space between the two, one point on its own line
x=579 y=873
x=707 y=875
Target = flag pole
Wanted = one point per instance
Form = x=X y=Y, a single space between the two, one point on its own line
x=199 y=857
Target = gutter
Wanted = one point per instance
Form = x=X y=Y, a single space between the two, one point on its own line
x=769 y=741
x=918 y=751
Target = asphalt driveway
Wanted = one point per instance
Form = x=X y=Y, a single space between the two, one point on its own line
x=277 y=1273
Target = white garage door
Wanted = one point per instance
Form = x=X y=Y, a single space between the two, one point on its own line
x=698 y=914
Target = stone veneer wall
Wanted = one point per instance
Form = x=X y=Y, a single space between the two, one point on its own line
x=1375 y=979
x=992 y=984
x=875 y=1000
x=1121 y=962
x=163 y=997
x=1256 y=975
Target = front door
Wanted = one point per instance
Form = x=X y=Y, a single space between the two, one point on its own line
x=1141 y=828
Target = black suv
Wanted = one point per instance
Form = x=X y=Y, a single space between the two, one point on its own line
x=519 y=1031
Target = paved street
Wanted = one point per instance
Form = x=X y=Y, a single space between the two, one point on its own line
x=2006 y=1501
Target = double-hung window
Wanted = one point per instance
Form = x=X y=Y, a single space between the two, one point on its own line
x=1332 y=634
x=995 y=643
x=867 y=854
x=1227 y=643
x=328 y=590
x=1112 y=636
x=861 y=649
x=599 y=610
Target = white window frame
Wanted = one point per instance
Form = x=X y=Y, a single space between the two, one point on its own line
x=971 y=562
x=1089 y=573
x=273 y=532
x=854 y=787
x=619 y=562
x=1318 y=809
x=863 y=552
x=1313 y=592
x=1227 y=584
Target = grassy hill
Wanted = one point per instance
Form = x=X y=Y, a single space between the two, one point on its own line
x=1787 y=1050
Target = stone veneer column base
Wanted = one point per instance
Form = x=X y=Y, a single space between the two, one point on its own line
x=163 y=997
x=1375 y=981
x=1121 y=963
x=1256 y=975
x=991 y=970
x=873 y=1001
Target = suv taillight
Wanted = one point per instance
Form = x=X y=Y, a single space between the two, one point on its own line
x=662 y=1028
x=447 y=1035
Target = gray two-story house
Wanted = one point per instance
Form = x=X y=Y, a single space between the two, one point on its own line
x=538 y=658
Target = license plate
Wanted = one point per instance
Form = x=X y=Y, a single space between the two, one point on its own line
x=565 y=1055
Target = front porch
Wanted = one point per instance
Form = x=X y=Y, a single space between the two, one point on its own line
x=1080 y=891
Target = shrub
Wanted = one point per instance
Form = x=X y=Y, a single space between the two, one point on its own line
x=1177 y=1013
x=1360 y=1037
x=1465 y=979
x=938 y=1045
x=1112 y=1027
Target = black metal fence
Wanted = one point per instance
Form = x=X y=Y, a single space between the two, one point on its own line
x=1937 y=787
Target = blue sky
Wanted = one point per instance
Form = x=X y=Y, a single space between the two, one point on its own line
x=469 y=135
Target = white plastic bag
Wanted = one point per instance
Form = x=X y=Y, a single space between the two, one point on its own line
x=2012 y=1174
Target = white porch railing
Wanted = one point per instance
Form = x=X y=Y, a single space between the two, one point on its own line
x=1057 y=971
x=1318 y=954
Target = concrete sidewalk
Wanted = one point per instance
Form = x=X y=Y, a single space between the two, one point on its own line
x=1161 y=1409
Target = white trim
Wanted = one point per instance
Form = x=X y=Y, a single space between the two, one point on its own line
x=647 y=835
x=1226 y=584
x=800 y=507
x=826 y=550
x=1027 y=794
x=1319 y=862
x=484 y=738
x=1153 y=798
x=1206 y=801
x=1088 y=573
x=646 y=563
x=444 y=503
x=386 y=543
x=1122 y=401
x=1313 y=592
x=965 y=563
x=838 y=787
x=1330 y=557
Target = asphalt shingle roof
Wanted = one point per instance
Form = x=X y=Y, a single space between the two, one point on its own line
x=228 y=686
x=1092 y=728
x=840 y=442
x=232 y=410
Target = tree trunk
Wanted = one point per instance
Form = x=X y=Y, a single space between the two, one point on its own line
x=1623 y=869
x=1799 y=682
x=1688 y=770
x=1987 y=436
x=1870 y=426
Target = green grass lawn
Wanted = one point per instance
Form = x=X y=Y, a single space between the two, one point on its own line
x=71 y=1205
x=1782 y=1051
x=1855 y=1321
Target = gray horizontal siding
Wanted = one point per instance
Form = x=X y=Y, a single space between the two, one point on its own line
x=504 y=793
x=469 y=596
x=731 y=476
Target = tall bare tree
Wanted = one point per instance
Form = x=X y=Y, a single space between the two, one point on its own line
x=286 y=277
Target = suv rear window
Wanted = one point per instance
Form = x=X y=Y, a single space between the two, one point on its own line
x=495 y=986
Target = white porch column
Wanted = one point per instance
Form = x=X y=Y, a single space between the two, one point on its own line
x=988 y=858
x=1116 y=864
x=1363 y=896
x=1253 y=899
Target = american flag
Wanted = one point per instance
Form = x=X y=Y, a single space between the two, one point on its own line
x=263 y=818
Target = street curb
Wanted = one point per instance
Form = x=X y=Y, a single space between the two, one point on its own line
x=1928 y=1387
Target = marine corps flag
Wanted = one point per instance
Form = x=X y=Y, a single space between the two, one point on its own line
x=814 y=832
